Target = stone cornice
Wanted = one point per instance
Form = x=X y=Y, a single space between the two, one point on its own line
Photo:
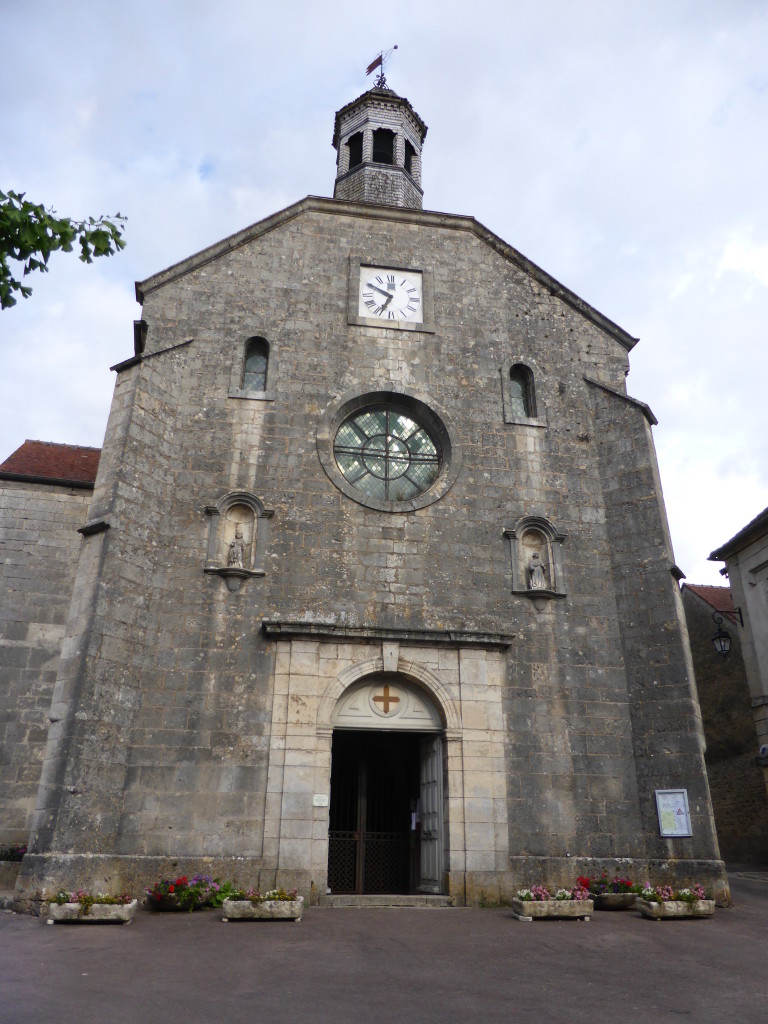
x=277 y=629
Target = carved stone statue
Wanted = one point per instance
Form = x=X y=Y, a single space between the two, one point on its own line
x=237 y=549
x=537 y=574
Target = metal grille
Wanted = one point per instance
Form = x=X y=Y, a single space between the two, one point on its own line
x=342 y=861
x=383 y=857
x=386 y=862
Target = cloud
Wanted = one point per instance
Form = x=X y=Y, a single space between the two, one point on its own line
x=619 y=147
x=743 y=256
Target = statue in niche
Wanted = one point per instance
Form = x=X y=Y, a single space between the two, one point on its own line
x=537 y=574
x=237 y=549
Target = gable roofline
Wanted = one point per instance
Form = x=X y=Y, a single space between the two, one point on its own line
x=338 y=207
x=751 y=532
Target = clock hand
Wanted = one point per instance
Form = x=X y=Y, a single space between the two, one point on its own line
x=377 y=289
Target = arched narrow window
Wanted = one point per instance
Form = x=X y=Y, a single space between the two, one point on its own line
x=384 y=146
x=255 y=365
x=355 y=146
x=410 y=153
x=522 y=401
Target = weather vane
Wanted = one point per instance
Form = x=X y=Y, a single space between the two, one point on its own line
x=379 y=62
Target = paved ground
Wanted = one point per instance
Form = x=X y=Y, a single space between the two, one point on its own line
x=370 y=966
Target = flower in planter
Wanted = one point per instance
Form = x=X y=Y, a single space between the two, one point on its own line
x=190 y=894
x=540 y=893
x=252 y=896
x=87 y=899
x=537 y=893
x=605 y=885
x=666 y=894
x=578 y=892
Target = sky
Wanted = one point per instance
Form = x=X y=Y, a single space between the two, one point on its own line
x=620 y=146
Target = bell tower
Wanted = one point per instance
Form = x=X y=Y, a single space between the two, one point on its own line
x=378 y=140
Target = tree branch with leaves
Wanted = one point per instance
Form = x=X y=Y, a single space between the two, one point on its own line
x=29 y=234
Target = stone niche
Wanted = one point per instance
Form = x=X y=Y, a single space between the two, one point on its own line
x=238 y=536
x=536 y=554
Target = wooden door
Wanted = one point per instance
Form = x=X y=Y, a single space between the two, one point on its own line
x=431 y=804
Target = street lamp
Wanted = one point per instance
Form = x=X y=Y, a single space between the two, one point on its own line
x=722 y=638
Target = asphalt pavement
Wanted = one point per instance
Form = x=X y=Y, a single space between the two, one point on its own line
x=365 y=966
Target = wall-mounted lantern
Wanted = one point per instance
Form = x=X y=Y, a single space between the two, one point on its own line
x=722 y=638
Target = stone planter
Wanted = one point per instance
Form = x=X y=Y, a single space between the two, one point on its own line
x=614 y=900
x=527 y=910
x=100 y=913
x=675 y=908
x=269 y=910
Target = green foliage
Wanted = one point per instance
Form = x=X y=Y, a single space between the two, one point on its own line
x=29 y=234
x=667 y=894
x=189 y=894
x=602 y=885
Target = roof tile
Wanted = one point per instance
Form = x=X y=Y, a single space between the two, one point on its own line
x=718 y=598
x=49 y=461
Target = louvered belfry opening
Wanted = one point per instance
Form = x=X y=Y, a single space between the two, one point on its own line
x=374 y=791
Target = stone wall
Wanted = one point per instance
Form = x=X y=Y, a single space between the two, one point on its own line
x=40 y=547
x=666 y=735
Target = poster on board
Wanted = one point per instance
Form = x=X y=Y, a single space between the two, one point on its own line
x=674 y=816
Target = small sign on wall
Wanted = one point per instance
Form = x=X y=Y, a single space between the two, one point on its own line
x=319 y=799
x=674 y=816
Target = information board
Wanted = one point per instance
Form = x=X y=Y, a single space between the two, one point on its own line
x=674 y=816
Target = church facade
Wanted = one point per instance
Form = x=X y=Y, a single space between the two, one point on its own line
x=375 y=591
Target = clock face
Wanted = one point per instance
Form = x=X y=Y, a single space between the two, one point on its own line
x=387 y=294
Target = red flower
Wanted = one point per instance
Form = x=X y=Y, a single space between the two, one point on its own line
x=171 y=888
x=182 y=880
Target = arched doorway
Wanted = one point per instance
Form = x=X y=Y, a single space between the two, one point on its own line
x=386 y=822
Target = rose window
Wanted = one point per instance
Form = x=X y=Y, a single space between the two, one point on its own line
x=386 y=454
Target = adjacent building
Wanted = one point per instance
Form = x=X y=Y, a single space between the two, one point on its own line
x=736 y=778
x=746 y=565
